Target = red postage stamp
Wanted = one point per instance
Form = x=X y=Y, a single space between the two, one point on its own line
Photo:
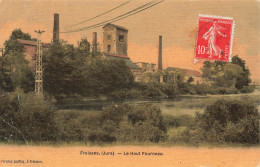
x=214 y=38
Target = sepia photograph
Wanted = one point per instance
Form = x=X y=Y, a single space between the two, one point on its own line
x=129 y=83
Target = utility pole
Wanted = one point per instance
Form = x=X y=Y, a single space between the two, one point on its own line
x=39 y=71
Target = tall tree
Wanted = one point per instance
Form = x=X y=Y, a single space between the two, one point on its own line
x=229 y=75
x=212 y=70
x=16 y=72
x=72 y=71
x=244 y=78
x=84 y=47
x=61 y=70
x=223 y=74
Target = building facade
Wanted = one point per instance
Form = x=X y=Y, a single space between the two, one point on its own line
x=115 y=39
x=115 y=46
x=196 y=75
x=30 y=48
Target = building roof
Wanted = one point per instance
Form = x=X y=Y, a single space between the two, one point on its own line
x=32 y=43
x=27 y=42
x=125 y=58
x=30 y=46
x=141 y=62
x=116 y=55
x=116 y=26
x=129 y=63
x=186 y=71
x=145 y=63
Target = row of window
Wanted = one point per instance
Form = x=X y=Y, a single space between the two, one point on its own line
x=120 y=38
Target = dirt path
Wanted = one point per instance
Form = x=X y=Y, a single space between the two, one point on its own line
x=172 y=157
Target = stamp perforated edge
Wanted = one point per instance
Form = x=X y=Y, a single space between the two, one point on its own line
x=232 y=34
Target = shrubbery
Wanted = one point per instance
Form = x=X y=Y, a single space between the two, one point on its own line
x=248 y=89
x=172 y=121
x=203 y=89
x=117 y=123
x=230 y=121
x=26 y=118
x=225 y=122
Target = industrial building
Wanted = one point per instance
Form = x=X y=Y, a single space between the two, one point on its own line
x=30 y=48
x=115 y=46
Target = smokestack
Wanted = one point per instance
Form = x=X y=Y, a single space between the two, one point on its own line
x=160 y=54
x=94 y=42
x=56 y=30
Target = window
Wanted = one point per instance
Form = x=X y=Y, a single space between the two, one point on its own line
x=109 y=37
x=121 y=38
x=108 y=48
x=165 y=78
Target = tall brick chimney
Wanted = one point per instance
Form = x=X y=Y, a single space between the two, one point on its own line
x=160 y=54
x=94 y=42
x=56 y=30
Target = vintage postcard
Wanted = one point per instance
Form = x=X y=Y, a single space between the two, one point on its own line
x=129 y=83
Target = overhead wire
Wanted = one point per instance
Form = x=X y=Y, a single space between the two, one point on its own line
x=104 y=22
x=73 y=25
x=120 y=17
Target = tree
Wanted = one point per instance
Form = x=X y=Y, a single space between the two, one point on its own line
x=244 y=78
x=12 y=44
x=107 y=75
x=63 y=74
x=212 y=70
x=84 y=47
x=16 y=72
x=227 y=75
x=70 y=71
x=174 y=83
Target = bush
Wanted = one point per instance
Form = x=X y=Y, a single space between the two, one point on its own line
x=225 y=90
x=125 y=94
x=152 y=91
x=248 y=89
x=182 y=135
x=171 y=121
x=202 y=89
x=136 y=123
x=230 y=121
x=26 y=118
x=117 y=123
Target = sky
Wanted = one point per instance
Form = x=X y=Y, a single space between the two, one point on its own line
x=175 y=20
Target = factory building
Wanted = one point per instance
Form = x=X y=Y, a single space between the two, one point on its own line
x=115 y=43
x=115 y=46
x=30 y=48
x=115 y=39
